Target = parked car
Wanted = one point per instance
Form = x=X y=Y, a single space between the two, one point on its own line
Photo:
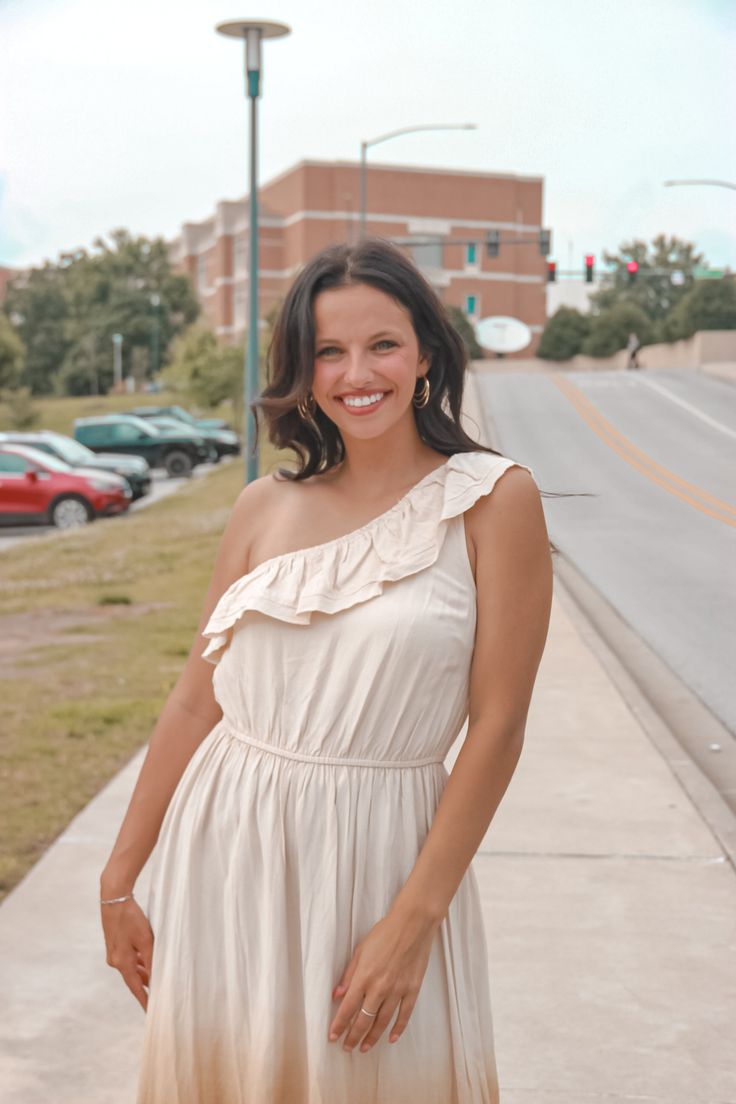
x=177 y=451
x=222 y=442
x=134 y=469
x=37 y=488
x=225 y=440
x=183 y=415
x=171 y=425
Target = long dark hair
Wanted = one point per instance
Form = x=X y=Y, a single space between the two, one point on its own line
x=380 y=264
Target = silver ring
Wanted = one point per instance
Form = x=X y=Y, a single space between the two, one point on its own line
x=369 y=1013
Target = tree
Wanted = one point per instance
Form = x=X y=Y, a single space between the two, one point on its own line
x=464 y=327
x=653 y=290
x=204 y=370
x=609 y=330
x=70 y=311
x=20 y=411
x=709 y=305
x=564 y=334
x=36 y=306
x=12 y=355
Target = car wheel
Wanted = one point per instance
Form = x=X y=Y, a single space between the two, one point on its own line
x=178 y=463
x=69 y=513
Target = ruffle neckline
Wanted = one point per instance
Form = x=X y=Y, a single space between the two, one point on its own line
x=351 y=568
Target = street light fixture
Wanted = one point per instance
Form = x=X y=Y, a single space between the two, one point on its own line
x=251 y=31
x=716 y=183
x=384 y=138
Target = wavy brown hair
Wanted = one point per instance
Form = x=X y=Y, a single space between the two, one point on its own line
x=380 y=264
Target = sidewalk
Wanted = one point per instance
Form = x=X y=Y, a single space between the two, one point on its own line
x=610 y=914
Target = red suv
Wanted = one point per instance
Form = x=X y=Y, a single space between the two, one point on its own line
x=37 y=488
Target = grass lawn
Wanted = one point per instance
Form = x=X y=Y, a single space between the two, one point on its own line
x=59 y=414
x=95 y=625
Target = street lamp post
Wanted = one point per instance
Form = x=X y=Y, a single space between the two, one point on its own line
x=117 y=361
x=155 y=343
x=384 y=138
x=251 y=31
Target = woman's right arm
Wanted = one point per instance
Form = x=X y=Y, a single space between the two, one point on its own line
x=189 y=714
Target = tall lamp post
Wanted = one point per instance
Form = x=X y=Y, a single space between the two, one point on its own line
x=384 y=138
x=251 y=31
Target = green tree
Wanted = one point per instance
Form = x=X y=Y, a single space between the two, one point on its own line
x=653 y=290
x=71 y=310
x=464 y=327
x=709 y=305
x=20 y=411
x=12 y=355
x=205 y=371
x=609 y=330
x=564 y=334
x=36 y=306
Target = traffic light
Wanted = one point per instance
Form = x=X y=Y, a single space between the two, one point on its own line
x=632 y=268
x=545 y=242
x=589 y=266
x=493 y=242
x=551 y=272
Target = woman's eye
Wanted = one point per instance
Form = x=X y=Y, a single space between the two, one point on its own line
x=333 y=348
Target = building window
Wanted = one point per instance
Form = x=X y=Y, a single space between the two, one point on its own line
x=470 y=253
x=471 y=303
x=427 y=252
x=202 y=272
x=241 y=254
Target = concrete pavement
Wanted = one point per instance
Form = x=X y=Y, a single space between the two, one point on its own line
x=608 y=895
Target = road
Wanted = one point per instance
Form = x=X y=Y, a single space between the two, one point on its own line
x=657 y=451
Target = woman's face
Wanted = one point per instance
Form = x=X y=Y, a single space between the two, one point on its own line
x=365 y=349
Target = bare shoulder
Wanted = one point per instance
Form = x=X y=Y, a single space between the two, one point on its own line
x=510 y=516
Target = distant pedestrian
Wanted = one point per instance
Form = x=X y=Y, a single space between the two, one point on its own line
x=633 y=346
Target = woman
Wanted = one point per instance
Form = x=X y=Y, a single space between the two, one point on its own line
x=313 y=932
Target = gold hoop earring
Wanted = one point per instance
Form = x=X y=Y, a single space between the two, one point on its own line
x=423 y=396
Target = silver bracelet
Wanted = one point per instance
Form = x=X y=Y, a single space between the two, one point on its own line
x=115 y=900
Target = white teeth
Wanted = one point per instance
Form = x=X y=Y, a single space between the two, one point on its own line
x=365 y=400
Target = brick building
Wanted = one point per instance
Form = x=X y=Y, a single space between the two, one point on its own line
x=429 y=212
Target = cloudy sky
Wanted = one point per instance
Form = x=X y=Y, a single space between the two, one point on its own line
x=134 y=115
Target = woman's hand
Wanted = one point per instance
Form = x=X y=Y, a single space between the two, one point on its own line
x=387 y=969
x=129 y=941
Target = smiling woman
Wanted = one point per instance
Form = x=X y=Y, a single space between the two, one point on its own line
x=313 y=931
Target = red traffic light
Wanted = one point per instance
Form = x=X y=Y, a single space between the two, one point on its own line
x=551 y=271
x=589 y=264
x=632 y=267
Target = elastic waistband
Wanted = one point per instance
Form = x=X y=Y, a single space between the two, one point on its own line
x=328 y=760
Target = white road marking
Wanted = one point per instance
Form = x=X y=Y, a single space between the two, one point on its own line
x=689 y=407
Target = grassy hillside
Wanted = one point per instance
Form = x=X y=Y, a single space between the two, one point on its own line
x=95 y=624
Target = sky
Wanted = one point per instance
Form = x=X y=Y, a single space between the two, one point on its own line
x=134 y=115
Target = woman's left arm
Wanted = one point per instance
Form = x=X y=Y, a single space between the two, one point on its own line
x=513 y=572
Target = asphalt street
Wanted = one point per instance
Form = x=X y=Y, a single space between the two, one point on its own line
x=656 y=452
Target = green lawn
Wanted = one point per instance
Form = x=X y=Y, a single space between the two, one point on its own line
x=59 y=414
x=95 y=625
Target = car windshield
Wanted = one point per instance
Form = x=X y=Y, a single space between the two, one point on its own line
x=71 y=451
x=141 y=424
x=43 y=459
x=183 y=415
x=170 y=423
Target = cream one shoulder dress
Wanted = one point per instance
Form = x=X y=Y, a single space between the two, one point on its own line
x=342 y=671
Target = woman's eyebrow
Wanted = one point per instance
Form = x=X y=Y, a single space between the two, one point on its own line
x=373 y=337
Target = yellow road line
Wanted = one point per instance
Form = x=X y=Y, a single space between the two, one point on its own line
x=638 y=459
